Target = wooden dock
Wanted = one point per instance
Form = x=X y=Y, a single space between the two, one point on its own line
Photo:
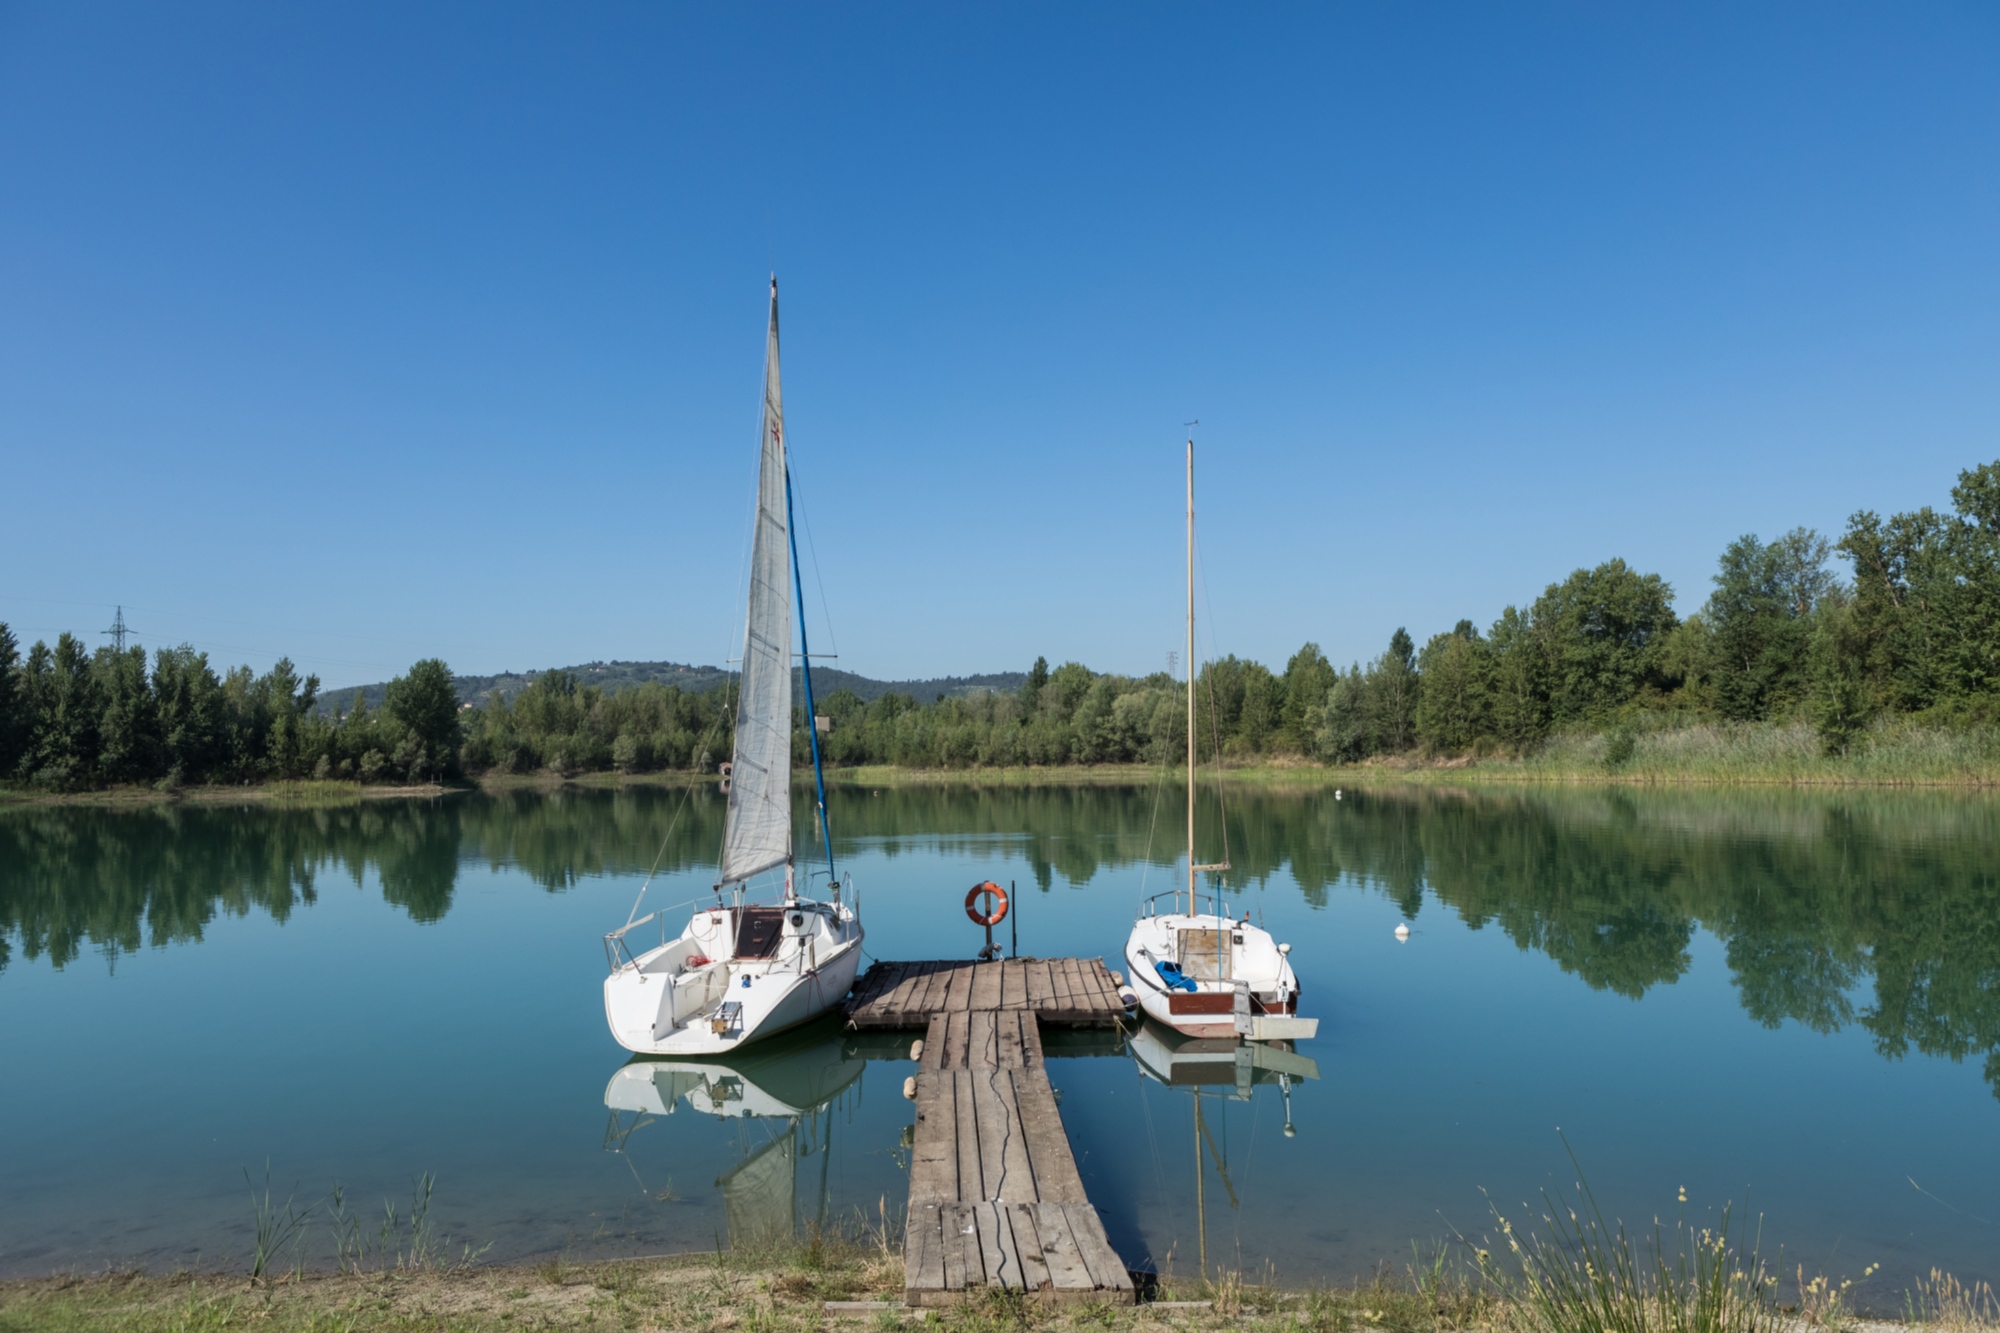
x=995 y=1196
x=1072 y=991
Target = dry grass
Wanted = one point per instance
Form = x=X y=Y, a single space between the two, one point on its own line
x=707 y=1293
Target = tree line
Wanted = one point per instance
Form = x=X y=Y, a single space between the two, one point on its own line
x=74 y=719
x=1911 y=628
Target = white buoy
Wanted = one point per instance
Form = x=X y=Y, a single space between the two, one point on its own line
x=1117 y=978
x=910 y=1087
x=917 y=1049
x=1336 y=793
x=1402 y=930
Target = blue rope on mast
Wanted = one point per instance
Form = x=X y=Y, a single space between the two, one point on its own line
x=805 y=668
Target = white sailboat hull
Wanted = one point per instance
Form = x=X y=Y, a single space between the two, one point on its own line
x=1245 y=991
x=660 y=1005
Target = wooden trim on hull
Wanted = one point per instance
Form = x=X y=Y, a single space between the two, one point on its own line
x=1200 y=1002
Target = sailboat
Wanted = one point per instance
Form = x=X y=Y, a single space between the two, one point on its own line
x=740 y=971
x=1207 y=974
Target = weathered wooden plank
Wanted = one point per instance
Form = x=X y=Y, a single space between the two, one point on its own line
x=1057 y=1179
x=889 y=1001
x=996 y=1246
x=993 y=1127
x=957 y=1035
x=1007 y=1029
x=1045 y=978
x=1028 y=1247
x=1065 y=985
x=1090 y=972
x=1104 y=995
x=961 y=991
x=971 y=1180
x=1067 y=1271
x=985 y=986
x=904 y=1004
x=937 y=985
x=934 y=1150
x=934 y=1044
x=979 y=1043
x=1106 y=1268
x=952 y=1238
x=1007 y=1168
x=1031 y=1042
x=923 y=1251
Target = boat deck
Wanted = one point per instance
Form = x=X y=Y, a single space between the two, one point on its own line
x=995 y=1196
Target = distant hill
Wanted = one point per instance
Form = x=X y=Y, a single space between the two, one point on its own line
x=614 y=676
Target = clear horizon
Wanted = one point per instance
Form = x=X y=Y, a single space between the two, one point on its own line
x=371 y=334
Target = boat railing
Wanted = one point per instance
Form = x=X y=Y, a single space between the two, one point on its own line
x=617 y=946
x=1174 y=897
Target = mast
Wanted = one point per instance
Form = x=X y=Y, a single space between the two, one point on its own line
x=1191 y=670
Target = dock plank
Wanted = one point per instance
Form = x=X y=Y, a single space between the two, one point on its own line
x=1067 y=1271
x=1106 y=1269
x=923 y=1251
x=996 y=1196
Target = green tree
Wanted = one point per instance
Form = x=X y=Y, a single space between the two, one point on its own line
x=1308 y=677
x=424 y=704
x=1392 y=695
x=1454 y=707
x=1517 y=680
x=1602 y=633
x=1031 y=689
x=1839 y=703
x=13 y=704
x=189 y=705
x=63 y=704
x=128 y=730
x=1759 y=621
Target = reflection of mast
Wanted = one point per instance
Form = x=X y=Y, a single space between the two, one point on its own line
x=1200 y=1194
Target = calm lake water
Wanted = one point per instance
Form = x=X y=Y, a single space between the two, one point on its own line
x=1787 y=1000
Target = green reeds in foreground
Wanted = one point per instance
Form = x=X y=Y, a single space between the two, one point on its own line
x=1578 y=1273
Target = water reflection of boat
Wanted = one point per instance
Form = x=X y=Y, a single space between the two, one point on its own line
x=1226 y=1068
x=781 y=1093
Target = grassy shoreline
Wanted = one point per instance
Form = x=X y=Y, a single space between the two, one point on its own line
x=1704 y=755
x=710 y=1292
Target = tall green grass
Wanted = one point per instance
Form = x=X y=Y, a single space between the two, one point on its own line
x=1577 y=1272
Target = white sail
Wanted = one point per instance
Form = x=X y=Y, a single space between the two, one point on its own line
x=758 y=834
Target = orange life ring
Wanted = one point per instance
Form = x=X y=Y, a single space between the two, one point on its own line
x=999 y=912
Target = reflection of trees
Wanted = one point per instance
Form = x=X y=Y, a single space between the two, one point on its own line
x=1813 y=895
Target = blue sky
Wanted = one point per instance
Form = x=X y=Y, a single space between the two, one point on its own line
x=364 y=333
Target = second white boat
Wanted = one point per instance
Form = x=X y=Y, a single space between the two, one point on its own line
x=1208 y=974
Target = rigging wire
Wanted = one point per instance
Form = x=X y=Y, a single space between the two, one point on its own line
x=687 y=797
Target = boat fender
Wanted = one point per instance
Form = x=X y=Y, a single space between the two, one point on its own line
x=1129 y=998
x=1117 y=978
x=910 y=1087
x=917 y=1049
x=999 y=896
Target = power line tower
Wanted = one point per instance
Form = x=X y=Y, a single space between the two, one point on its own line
x=118 y=630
